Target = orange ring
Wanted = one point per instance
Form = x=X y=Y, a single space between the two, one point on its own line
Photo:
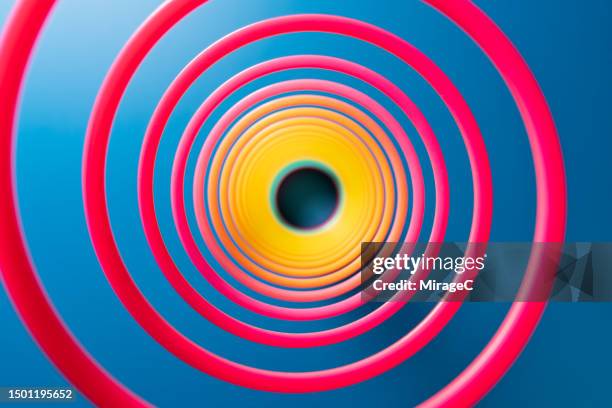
x=348 y=268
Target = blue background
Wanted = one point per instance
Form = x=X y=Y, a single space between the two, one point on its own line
x=568 y=46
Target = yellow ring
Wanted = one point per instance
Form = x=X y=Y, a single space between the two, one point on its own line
x=299 y=264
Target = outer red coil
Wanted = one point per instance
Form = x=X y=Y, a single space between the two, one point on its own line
x=30 y=300
x=155 y=324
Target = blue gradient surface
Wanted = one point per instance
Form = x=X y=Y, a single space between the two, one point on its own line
x=568 y=44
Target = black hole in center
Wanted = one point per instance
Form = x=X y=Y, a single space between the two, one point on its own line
x=307 y=197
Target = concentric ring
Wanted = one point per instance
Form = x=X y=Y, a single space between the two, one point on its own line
x=160 y=329
x=274 y=89
x=164 y=259
x=254 y=155
x=32 y=304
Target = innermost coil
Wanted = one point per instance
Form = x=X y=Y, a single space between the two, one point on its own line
x=307 y=198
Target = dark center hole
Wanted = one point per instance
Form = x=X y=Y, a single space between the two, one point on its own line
x=307 y=197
